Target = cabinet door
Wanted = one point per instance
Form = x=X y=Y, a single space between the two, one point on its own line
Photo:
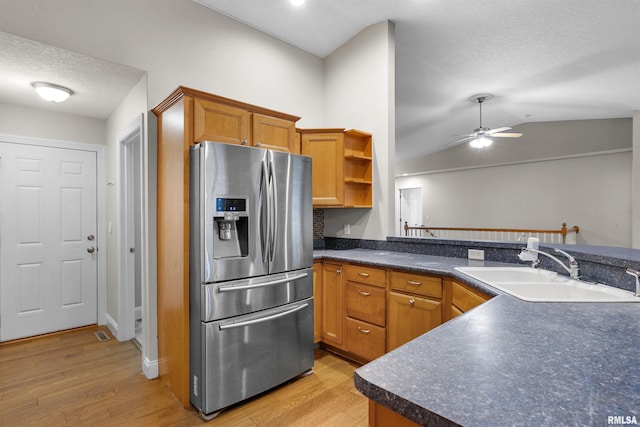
x=465 y=298
x=274 y=134
x=327 y=151
x=409 y=317
x=220 y=123
x=332 y=304
x=317 y=301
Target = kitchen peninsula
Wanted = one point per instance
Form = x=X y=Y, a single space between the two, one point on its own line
x=507 y=362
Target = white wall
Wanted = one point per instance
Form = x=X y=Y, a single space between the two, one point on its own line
x=592 y=192
x=539 y=140
x=360 y=94
x=35 y=123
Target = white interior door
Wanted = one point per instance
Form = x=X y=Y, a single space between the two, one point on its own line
x=410 y=207
x=48 y=259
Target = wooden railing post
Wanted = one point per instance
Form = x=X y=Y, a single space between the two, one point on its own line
x=563 y=232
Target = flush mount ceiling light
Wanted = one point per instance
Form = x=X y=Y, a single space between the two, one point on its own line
x=297 y=2
x=52 y=93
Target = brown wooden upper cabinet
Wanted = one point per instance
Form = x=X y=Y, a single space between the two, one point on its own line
x=231 y=124
x=342 y=167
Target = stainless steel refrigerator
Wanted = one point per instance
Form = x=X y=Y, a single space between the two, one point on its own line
x=251 y=275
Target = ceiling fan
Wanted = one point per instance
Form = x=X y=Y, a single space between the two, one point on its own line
x=480 y=136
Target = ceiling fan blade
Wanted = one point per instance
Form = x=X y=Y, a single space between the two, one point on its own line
x=496 y=130
x=507 y=135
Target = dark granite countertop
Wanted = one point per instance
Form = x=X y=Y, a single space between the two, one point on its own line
x=508 y=362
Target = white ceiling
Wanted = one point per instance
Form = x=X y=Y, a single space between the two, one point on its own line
x=98 y=85
x=543 y=60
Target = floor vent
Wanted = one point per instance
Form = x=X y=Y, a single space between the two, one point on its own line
x=102 y=336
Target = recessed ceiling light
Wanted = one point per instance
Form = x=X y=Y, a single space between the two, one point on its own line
x=297 y=2
x=52 y=93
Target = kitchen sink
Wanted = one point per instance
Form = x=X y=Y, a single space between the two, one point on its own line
x=538 y=285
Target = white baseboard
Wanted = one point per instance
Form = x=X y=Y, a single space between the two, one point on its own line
x=150 y=368
x=111 y=324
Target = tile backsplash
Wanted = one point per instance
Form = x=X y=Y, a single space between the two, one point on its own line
x=318 y=224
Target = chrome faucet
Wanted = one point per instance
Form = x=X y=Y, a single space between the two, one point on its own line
x=573 y=268
x=636 y=274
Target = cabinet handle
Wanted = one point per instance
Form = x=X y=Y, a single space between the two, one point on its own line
x=338 y=271
x=245 y=142
x=364 y=331
x=361 y=274
x=411 y=282
x=364 y=294
x=412 y=301
x=258 y=144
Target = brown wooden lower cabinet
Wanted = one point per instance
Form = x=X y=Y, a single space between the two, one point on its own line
x=367 y=311
x=381 y=416
x=409 y=317
x=363 y=311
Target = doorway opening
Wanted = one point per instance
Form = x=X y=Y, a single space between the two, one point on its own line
x=409 y=208
x=131 y=249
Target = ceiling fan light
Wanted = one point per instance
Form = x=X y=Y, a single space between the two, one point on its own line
x=480 y=142
x=52 y=93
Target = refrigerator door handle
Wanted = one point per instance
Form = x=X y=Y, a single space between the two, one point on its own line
x=273 y=215
x=264 y=202
x=231 y=288
x=263 y=319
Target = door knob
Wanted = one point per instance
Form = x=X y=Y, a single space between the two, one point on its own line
x=91 y=237
x=91 y=249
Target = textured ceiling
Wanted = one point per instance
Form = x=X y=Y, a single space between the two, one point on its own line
x=98 y=85
x=544 y=60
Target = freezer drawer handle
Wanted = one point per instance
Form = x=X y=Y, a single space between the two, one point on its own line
x=263 y=319
x=231 y=288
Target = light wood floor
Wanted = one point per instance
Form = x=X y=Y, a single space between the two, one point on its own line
x=74 y=379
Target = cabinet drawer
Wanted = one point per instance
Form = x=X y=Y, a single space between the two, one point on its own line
x=367 y=303
x=417 y=284
x=369 y=275
x=365 y=340
x=464 y=298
